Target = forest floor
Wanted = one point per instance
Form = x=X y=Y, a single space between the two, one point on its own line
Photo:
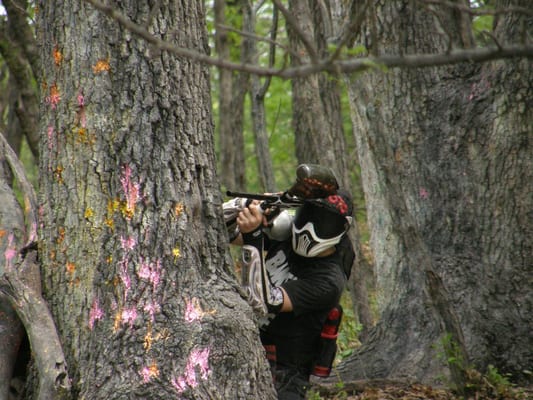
x=390 y=390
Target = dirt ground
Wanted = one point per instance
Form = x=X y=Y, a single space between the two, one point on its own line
x=387 y=390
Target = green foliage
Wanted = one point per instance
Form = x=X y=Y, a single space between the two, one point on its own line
x=490 y=385
x=451 y=352
x=482 y=23
x=348 y=339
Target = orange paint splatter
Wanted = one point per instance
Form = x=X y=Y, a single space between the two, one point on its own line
x=178 y=209
x=58 y=172
x=149 y=372
x=148 y=339
x=61 y=235
x=71 y=267
x=54 y=96
x=101 y=66
x=58 y=57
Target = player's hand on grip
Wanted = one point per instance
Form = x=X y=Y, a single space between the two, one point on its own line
x=250 y=218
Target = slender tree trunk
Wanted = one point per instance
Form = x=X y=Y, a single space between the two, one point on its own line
x=257 y=98
x=232 y=90
x=20 y=54
x=135 y=261
x=450 y=143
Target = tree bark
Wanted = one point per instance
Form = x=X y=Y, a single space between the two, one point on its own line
x=455 y=141
x=20 y=292
x=319 y=131
x=135 y=262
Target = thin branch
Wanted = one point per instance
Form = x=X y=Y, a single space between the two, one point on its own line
x=256 y=37
x=346 y=66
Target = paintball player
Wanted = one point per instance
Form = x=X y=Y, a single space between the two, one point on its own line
x=304 y=275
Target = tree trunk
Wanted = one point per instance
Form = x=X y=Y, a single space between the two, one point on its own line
x=11 y=239
x=257 y=92
x=19 y=51
x=135 y=262
x=232 y=90
x=454 y=141
x=319 y=132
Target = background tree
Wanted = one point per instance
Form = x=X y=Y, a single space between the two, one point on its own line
x=132 y=238
x=232 y=87
x=446 y=162
x=20 y=110
x=318 y=122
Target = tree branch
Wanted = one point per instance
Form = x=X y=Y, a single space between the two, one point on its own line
x=42 y=334
x=337 y=66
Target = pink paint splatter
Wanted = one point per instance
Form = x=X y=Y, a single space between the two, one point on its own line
x=152 y=309
x=95 y=314
x=129 y=315
x=424 y=194
x=124 y=276
x=149 y=372
x=146 y=374
x=54 y=98
x=50 y=134
x=150 y=271
x=128 y=243
x=11 y=251
x=193 y=311
x=199 y=358
x=131 y=190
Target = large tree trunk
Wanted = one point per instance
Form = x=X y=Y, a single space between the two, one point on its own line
x=446 y=159
x=133 y=250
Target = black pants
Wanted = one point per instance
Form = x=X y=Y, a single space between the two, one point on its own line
x=290 y=384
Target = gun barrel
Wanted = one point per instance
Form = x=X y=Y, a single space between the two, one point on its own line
x=255 y=196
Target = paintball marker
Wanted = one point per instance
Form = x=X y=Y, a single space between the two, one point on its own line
x=312 y=181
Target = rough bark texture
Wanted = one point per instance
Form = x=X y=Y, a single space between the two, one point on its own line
x=11 y=239
x=20 y=295
x=135 y=264
x=458 y=143
x=317 y=119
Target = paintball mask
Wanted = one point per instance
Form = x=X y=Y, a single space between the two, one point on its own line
x=321 y=223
